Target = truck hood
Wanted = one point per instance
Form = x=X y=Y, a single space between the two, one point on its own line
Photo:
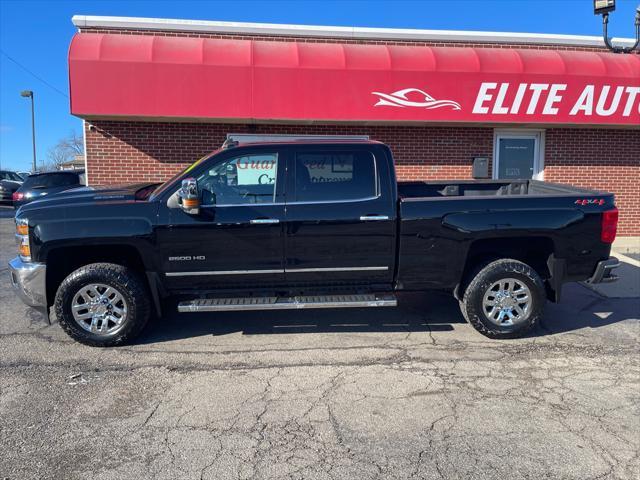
x=84 y=195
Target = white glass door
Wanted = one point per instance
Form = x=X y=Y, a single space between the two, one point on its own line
x=517 y=156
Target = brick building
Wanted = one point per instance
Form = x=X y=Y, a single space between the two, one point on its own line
x=158 y=94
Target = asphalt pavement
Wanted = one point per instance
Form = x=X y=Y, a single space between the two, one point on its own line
x=412 y=392
x=6 y=210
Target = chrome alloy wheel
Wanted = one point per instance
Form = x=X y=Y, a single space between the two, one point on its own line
x=507 y=302
x=99 y=309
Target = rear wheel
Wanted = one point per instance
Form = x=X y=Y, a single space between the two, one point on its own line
x=505 y=299
x=102 y=305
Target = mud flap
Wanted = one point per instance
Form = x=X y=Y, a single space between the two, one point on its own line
x=558 y=271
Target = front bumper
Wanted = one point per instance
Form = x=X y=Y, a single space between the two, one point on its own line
x=29 y=282
x=604 y=271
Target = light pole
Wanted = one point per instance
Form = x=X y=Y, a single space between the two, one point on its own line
x=29 y=93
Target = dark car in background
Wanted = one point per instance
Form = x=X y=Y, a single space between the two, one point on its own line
x=9 y=183
x=40 y=184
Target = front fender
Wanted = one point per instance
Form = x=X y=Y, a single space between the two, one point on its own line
x=126 y=224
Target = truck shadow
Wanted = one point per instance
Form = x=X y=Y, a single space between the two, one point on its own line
x=580 y=308
x=416 y=313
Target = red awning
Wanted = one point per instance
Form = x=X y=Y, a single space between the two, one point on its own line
x=250 y=80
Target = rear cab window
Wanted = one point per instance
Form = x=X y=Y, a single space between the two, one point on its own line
x=334 y=176
x=51 y=180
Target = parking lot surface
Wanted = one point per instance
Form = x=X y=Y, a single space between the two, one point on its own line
x=412 y=392
x=6 y=210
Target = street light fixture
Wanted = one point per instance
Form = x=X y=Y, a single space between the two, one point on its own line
x=29 y=94
x=603 y=7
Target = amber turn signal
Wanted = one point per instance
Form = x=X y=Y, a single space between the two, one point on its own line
x=22 y=229
x=25 y=250
x=190 y=202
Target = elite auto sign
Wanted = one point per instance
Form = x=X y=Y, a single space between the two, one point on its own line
x=547 y=99
x=255 y=80
x=529 y=99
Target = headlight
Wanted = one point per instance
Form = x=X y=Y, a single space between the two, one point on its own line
x=22 y=237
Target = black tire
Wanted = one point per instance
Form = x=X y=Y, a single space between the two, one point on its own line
x=472 y=300
x=128 y=283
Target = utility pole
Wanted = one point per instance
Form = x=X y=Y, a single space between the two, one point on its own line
x=29 y=94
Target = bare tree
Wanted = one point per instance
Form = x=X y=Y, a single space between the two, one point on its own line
x=64 y=151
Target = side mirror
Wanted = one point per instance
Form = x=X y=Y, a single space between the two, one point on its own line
x=189 y=196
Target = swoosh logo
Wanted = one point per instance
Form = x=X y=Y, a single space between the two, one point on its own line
x=399 y=99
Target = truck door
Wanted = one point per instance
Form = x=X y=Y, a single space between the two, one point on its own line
x=340 y=216
x=236 y=241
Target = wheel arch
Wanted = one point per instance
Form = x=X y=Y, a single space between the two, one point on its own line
x=61 y=261
x=532 y=250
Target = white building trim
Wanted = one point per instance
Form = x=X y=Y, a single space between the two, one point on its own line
x=243 y=28
x=84 y=146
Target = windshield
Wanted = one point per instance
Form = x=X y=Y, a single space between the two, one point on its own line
x=169 y=182
x=14 y=177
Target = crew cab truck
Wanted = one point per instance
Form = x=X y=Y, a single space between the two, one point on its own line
x=314 y=224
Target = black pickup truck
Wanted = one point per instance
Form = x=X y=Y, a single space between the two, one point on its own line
x=314 y=224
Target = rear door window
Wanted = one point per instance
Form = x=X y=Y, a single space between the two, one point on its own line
x=333 y=176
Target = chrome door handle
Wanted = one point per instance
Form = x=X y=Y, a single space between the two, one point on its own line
x=373 y=218
x=264 y=221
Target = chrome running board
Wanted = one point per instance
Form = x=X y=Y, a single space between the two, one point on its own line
x=288 y=303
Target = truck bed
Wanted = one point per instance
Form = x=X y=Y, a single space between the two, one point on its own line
x=444 y=223
x=483 y=188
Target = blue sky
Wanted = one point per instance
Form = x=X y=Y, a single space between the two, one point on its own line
x=36 y=34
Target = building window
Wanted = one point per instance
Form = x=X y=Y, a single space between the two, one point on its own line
x=517 y=154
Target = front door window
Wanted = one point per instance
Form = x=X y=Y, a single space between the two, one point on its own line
x=247 y=179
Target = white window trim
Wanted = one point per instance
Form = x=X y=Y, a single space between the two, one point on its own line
x=525 y=133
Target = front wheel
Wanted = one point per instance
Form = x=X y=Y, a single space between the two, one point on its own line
x=505 y=299
x=102 y=305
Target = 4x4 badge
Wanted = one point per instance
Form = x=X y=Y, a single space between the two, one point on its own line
x=590 y=201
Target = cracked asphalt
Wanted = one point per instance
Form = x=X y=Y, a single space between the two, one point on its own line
x=412 y=392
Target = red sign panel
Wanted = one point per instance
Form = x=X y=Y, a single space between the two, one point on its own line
x=148 y=76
